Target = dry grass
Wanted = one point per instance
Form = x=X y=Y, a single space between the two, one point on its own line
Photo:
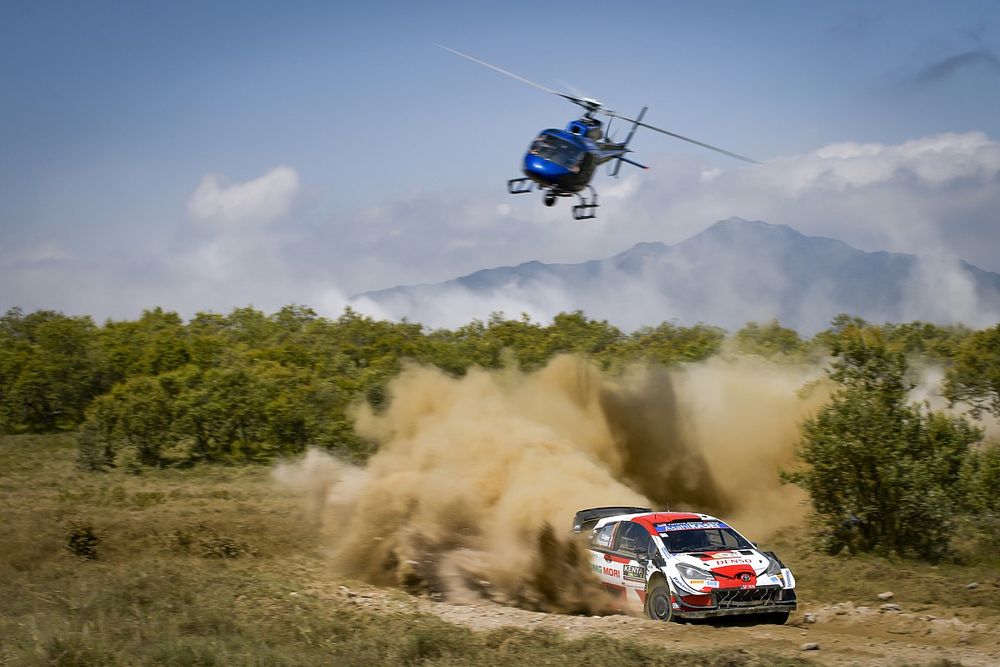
x=211 y=566
x=919 y=586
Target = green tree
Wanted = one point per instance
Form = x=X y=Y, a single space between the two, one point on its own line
x=920 y=341
x=494 y=343
x=128 y=427
x=668 y=344
x=975 y=376
x=770 y=340
x=881 y=474
x=49 y=370
x=155 y=343
x=574 y=332
x=981 y=480
x=923 y=339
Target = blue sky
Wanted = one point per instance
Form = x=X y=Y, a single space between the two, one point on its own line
x=114 y=114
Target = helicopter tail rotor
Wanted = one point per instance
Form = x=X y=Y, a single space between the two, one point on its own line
x=631 y=133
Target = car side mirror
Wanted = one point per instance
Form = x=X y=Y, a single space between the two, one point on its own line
x=754 y=544
x=652 y=554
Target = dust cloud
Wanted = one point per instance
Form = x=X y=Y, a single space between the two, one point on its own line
x=476 y=478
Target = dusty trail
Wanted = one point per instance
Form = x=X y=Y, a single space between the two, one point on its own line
x=473 y=472
x=846 y=634
x=470 y=469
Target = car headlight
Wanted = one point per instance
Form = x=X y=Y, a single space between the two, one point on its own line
x=690 y=572
x=773 y=567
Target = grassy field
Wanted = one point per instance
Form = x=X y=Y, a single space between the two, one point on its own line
x=920 y=586
x=210 y=566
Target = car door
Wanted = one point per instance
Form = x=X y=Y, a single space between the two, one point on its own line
x=603 y=562
x=633 y=548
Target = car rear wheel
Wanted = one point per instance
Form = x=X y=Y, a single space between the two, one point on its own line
x=658 y=605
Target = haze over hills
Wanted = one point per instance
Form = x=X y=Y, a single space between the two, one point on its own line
x=733 y=272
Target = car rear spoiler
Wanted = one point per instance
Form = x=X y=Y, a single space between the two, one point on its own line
x=585 y=520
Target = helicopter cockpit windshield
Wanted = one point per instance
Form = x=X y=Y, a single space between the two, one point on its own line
x=557 y=150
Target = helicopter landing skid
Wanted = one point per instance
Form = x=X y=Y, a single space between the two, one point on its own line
x=586 y=210
x=518 y=186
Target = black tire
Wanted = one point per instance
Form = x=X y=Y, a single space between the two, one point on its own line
x=658 y=605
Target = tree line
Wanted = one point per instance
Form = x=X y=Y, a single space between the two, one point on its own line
x=250 y=385
x=882 y=473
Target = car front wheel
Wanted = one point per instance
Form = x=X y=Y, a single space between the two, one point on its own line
x=658 y=605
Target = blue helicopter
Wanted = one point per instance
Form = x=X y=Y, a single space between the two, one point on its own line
x=561 y=163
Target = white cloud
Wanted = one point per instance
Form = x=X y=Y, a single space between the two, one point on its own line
x=935 y=161
x=932 y=195
x=936 y=196
x=258 y=201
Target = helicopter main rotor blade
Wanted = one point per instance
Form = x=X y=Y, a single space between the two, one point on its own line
x=687 y=139
x=593 y=106
x=575 y=100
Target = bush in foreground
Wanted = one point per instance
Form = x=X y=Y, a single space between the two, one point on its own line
x=882 y=474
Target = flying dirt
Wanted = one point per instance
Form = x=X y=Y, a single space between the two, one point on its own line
x=476 y=478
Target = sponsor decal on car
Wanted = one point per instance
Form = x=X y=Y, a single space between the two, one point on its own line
x=730 y=574
x=722 y=562
x=605 y=570
x=688 y=525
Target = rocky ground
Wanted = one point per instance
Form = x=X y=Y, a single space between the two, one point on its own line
x=882 y=632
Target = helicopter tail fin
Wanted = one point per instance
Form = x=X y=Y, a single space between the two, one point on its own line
x=631 y=133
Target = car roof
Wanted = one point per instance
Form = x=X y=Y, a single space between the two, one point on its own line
x=649 y=520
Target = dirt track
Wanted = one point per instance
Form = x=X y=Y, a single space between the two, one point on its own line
x=846 y=634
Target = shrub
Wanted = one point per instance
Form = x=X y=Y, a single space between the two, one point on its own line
x=82 y=541
x=882 y=474
x=204 y=541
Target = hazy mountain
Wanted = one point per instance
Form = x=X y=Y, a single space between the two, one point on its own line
x=733 y=272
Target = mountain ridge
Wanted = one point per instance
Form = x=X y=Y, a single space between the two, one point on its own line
x=732 y=272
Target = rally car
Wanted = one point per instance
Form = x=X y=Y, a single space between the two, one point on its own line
x=677 y=565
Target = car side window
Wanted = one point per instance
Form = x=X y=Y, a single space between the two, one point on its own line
x=643 y=544
x=633 y=539
x=602 y=536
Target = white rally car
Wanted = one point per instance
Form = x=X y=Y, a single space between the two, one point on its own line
x=684 y=565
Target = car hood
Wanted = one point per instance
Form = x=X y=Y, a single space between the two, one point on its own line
x=727 y=565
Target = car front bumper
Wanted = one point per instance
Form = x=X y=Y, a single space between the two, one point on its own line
x=731 y=602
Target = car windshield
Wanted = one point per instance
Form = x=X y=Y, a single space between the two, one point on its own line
x=556 y=149
x=703 y=539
